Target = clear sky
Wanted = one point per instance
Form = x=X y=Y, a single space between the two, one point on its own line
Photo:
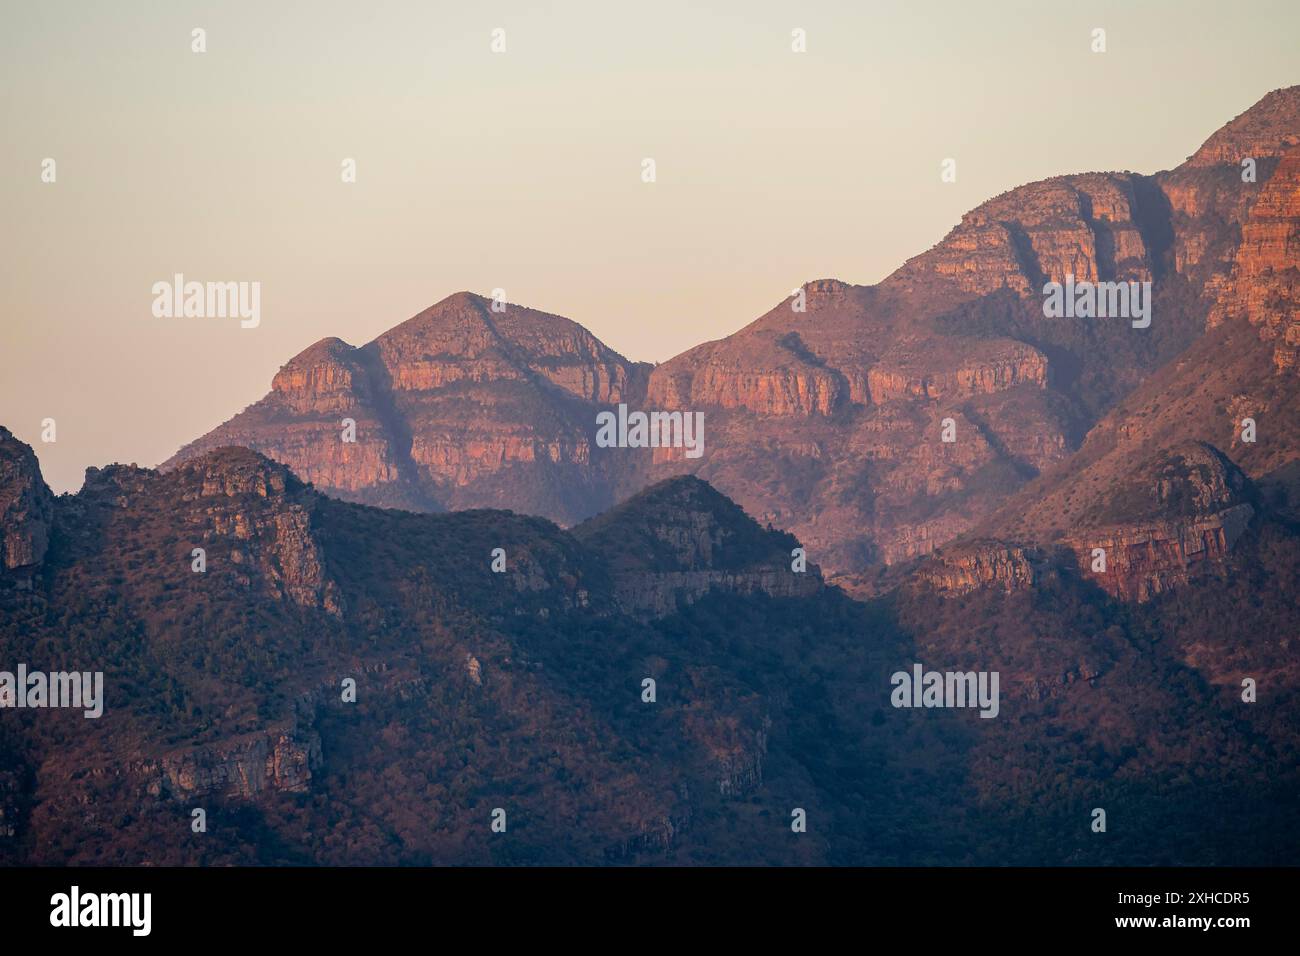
x=522 y=170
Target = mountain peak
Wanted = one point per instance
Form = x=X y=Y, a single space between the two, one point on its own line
x=683 y=524
x=1266 y=130
x=468 y=325
x=468 y=336
x=460 y=406
x=325 y=376
x=463 y=311
x=234 y=470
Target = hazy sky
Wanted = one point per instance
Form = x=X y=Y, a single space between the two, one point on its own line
x=522 y=170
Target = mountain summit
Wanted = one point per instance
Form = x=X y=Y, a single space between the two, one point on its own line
x=461 y=406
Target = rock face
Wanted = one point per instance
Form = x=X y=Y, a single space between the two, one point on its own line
x=241 y=517
x=1147 y=560
x=1173 y=516
x=905 y=372
x=1264 y=289
x=280 y=759
x=280 y=544
x=979 y=565
x=740 y=764
x=1207 y=197
x=1092 y=226
x=1153 y=529
x=1266 y=131
x=252 y=518
x=26 y=508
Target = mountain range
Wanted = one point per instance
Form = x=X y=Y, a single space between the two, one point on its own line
x=824 y=415
x=1112 y=529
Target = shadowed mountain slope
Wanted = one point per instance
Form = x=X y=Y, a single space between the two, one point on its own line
x=608 y=730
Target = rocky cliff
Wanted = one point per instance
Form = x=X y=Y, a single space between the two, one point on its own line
x=26 y=509
x=1170 y=518
x=240 y=768
x=1148 y=559
x=1209 y=196
x=1151 y=530
x=251 y=518
x=1091 y=226
x=979 y=565
x=1264 y=286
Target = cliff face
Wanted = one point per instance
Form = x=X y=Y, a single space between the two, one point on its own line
x=26 y=508
x=1143 y=561
x=239 y=768
x=318 y=389
x=1208 y=199
x=1153 y=529
x=1265 y=131
x=1264 y=288
x=907 y=371
x=1091 y=226
x=831 y=422
x=1149 y=529
x=1174 y=516
x=979 y=565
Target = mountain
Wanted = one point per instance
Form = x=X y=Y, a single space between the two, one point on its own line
x=458 y=407
x=680 y=539
x=475 y=688
x=657 y=659
x=826 y=415
x=1236 y=389
x=528 y=690
x=827 y=422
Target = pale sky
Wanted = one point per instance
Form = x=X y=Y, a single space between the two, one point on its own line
x=522 y=170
